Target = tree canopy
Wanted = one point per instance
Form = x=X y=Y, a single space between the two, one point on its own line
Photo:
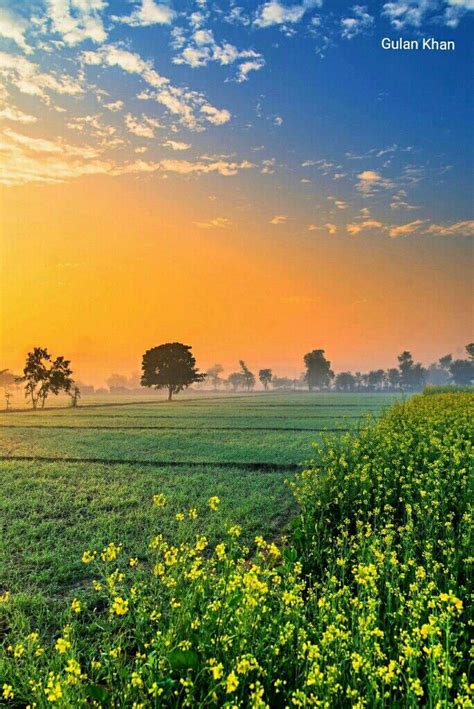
x=170 y=366
x=318 y=370
x=43 y=375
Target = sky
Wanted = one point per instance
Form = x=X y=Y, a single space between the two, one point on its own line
x=256 y=180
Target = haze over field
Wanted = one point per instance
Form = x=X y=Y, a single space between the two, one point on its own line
x=255 y=180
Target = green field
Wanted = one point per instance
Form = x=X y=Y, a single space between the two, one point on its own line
x=71 y=479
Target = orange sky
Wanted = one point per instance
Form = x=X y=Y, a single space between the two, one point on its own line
x=101 y=269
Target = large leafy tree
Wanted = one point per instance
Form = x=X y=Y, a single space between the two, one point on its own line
x=265 y=376
x=318 y=370
x=170 y=366
x=43 y=375
x=412 y=375
x=345 y=381
x=462 y=371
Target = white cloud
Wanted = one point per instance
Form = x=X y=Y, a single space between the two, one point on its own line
x=114 y=106
x=463 y=228
x=77 y=20
x=13 y=27
x=361 y=226
x=246 y=67
x=191 y=107
x=275 y=13
x=215 y=115
x=278 y=219
x=10 y=113
x=203 y=49
x=359 y=22
x=370 y=181
x=26 y=77
x=217 y=223
x=144 y=128
x=332 y=228
x=176 y=145
x=149 y=13
x=409 y=228
x=278 y=121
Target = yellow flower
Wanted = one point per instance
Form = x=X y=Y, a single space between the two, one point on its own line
x=96 y=585
x=159 y=500
x=179 y=516
x=88 y=557
x=234 y=531
x=220 y=551
x=155 y=690
x=119 y=606
x=133 y=562
x=53 y=688
x=76 y=605
x=216 y=669
x=213 y=502
x=193 y=513
x=111 y=552
x=5 y=597
x=232 y=683
x=62 y=645
x=73 y=668
x=136 y=680
x=8 y=692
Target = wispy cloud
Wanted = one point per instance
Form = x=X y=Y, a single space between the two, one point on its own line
x=278 y=219
x=190 y=107
x=14 y=27
x=359 y=21
x=216 y=223
x=148 y=13
x=275 y=13
x=77 y=20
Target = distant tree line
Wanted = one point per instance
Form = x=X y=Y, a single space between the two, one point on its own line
x=172 y=366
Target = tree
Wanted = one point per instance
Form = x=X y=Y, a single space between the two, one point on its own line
x=43 y=376
x=318 y=370
x=470 y=350
x=248 y=376
x=117 y=383
x=282 y=383
x=75 y=395
x=170 y=366
x=437 y=375
x=375 y=379
x=462 y=371
x=235 y=380
x=445 y=362
x=393 y=377
x=345 y=381
x=265 y=376
x=412 y=376
x=7 y=378
x=213 y=375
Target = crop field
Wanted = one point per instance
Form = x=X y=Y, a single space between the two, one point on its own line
x=75 y=477
x=149 y=568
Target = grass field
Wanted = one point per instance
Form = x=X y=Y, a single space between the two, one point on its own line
x=75 y=478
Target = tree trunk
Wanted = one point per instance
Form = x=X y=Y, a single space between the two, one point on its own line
x=170 y=393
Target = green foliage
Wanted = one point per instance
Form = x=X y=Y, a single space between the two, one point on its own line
x=170 y=366
x=318 y=370
x=366 y=606
x=446 y=389
x=43 y=376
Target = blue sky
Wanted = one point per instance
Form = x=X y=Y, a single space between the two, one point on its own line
x=295 y=99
